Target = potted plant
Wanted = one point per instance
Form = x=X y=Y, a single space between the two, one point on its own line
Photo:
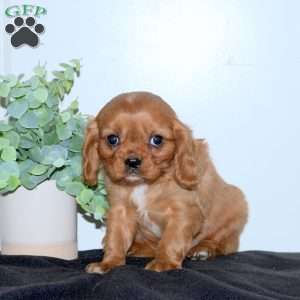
x=40 y=165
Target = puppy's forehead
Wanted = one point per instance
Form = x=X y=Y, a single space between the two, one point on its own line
x=136 y=103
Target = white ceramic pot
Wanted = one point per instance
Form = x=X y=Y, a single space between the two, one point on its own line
x=41 y=222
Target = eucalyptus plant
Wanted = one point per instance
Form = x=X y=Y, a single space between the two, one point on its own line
x=41 y=141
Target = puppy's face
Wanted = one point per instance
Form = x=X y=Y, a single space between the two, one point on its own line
x=136 y=138
x=136 y=147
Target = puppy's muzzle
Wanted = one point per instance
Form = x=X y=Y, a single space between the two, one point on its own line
x=133 y=163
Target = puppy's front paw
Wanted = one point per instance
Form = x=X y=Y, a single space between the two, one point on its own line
x=96 y=267
x=159 y=265
x=101 y=267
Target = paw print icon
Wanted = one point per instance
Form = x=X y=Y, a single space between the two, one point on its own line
x=24 y=32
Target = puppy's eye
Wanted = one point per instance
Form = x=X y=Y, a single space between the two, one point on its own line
x=113 y=140
x=156 y=140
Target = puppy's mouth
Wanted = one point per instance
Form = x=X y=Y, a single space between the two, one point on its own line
x=133 y=176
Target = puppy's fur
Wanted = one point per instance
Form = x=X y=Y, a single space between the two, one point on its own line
x=174 y=204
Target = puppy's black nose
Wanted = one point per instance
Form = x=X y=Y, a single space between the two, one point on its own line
x=133 y=162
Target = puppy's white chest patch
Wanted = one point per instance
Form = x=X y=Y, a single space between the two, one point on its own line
x=139 y=198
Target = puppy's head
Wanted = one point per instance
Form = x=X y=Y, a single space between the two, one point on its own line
x=136 y=138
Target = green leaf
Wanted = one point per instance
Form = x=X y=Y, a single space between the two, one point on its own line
x=4 y=176
x=3 y=183
x=73 y=124
x=26 y=142
x=74 y=188
x=76 y=165
x=50 y=127
x=59 y=74
x=33 y=102
x=65 y=66
x=13 y=183
x=26 y=166
x=10 y=168
x=76 y=143
x=69 y=74
x=51 y=138
x=103 y=191
x=61 y=90
x=39 y=169
x=4 y=89
x=67 y=84
x=37 y=134
x=19 y=92
x=59 y=162
x=44 y=115
x=4 y=126
x=3 y=143
x=22 y=154
x=13 y=137
x=100 y=213
x=17 y=108
x=19 y=128
x=86 y=195
x=31 y=181
x=50 y=171
x=100 y=201
x=52 y=100
x=65 y=144
x=12 y=99
x=65 y=116
x=62 y=177
x=35 y=154
x=29 y=120
x=41 y=94
x=74 y=105
x=76 y=63
x=52 y=153
x=9 y=153
x=11 y=80
x=35 y=82
x=40 y=71
x=63 y=131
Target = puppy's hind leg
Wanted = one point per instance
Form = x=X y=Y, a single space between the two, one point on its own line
x=209 y=249
x=206 y=249
x=229 y=245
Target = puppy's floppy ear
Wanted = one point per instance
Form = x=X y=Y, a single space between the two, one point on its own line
x=91 y=160
x=185 y=162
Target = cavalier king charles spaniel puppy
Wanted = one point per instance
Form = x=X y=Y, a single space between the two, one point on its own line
x=167 y=200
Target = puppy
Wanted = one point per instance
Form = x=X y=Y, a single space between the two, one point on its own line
x=167 y=200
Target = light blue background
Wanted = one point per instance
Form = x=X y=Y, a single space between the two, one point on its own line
x=230 y=68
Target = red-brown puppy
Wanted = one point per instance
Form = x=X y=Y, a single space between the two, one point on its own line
x=166 y=198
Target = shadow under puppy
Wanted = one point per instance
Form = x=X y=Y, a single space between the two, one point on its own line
x=166 y=198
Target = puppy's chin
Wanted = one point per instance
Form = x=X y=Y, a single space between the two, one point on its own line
x=133 y=179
